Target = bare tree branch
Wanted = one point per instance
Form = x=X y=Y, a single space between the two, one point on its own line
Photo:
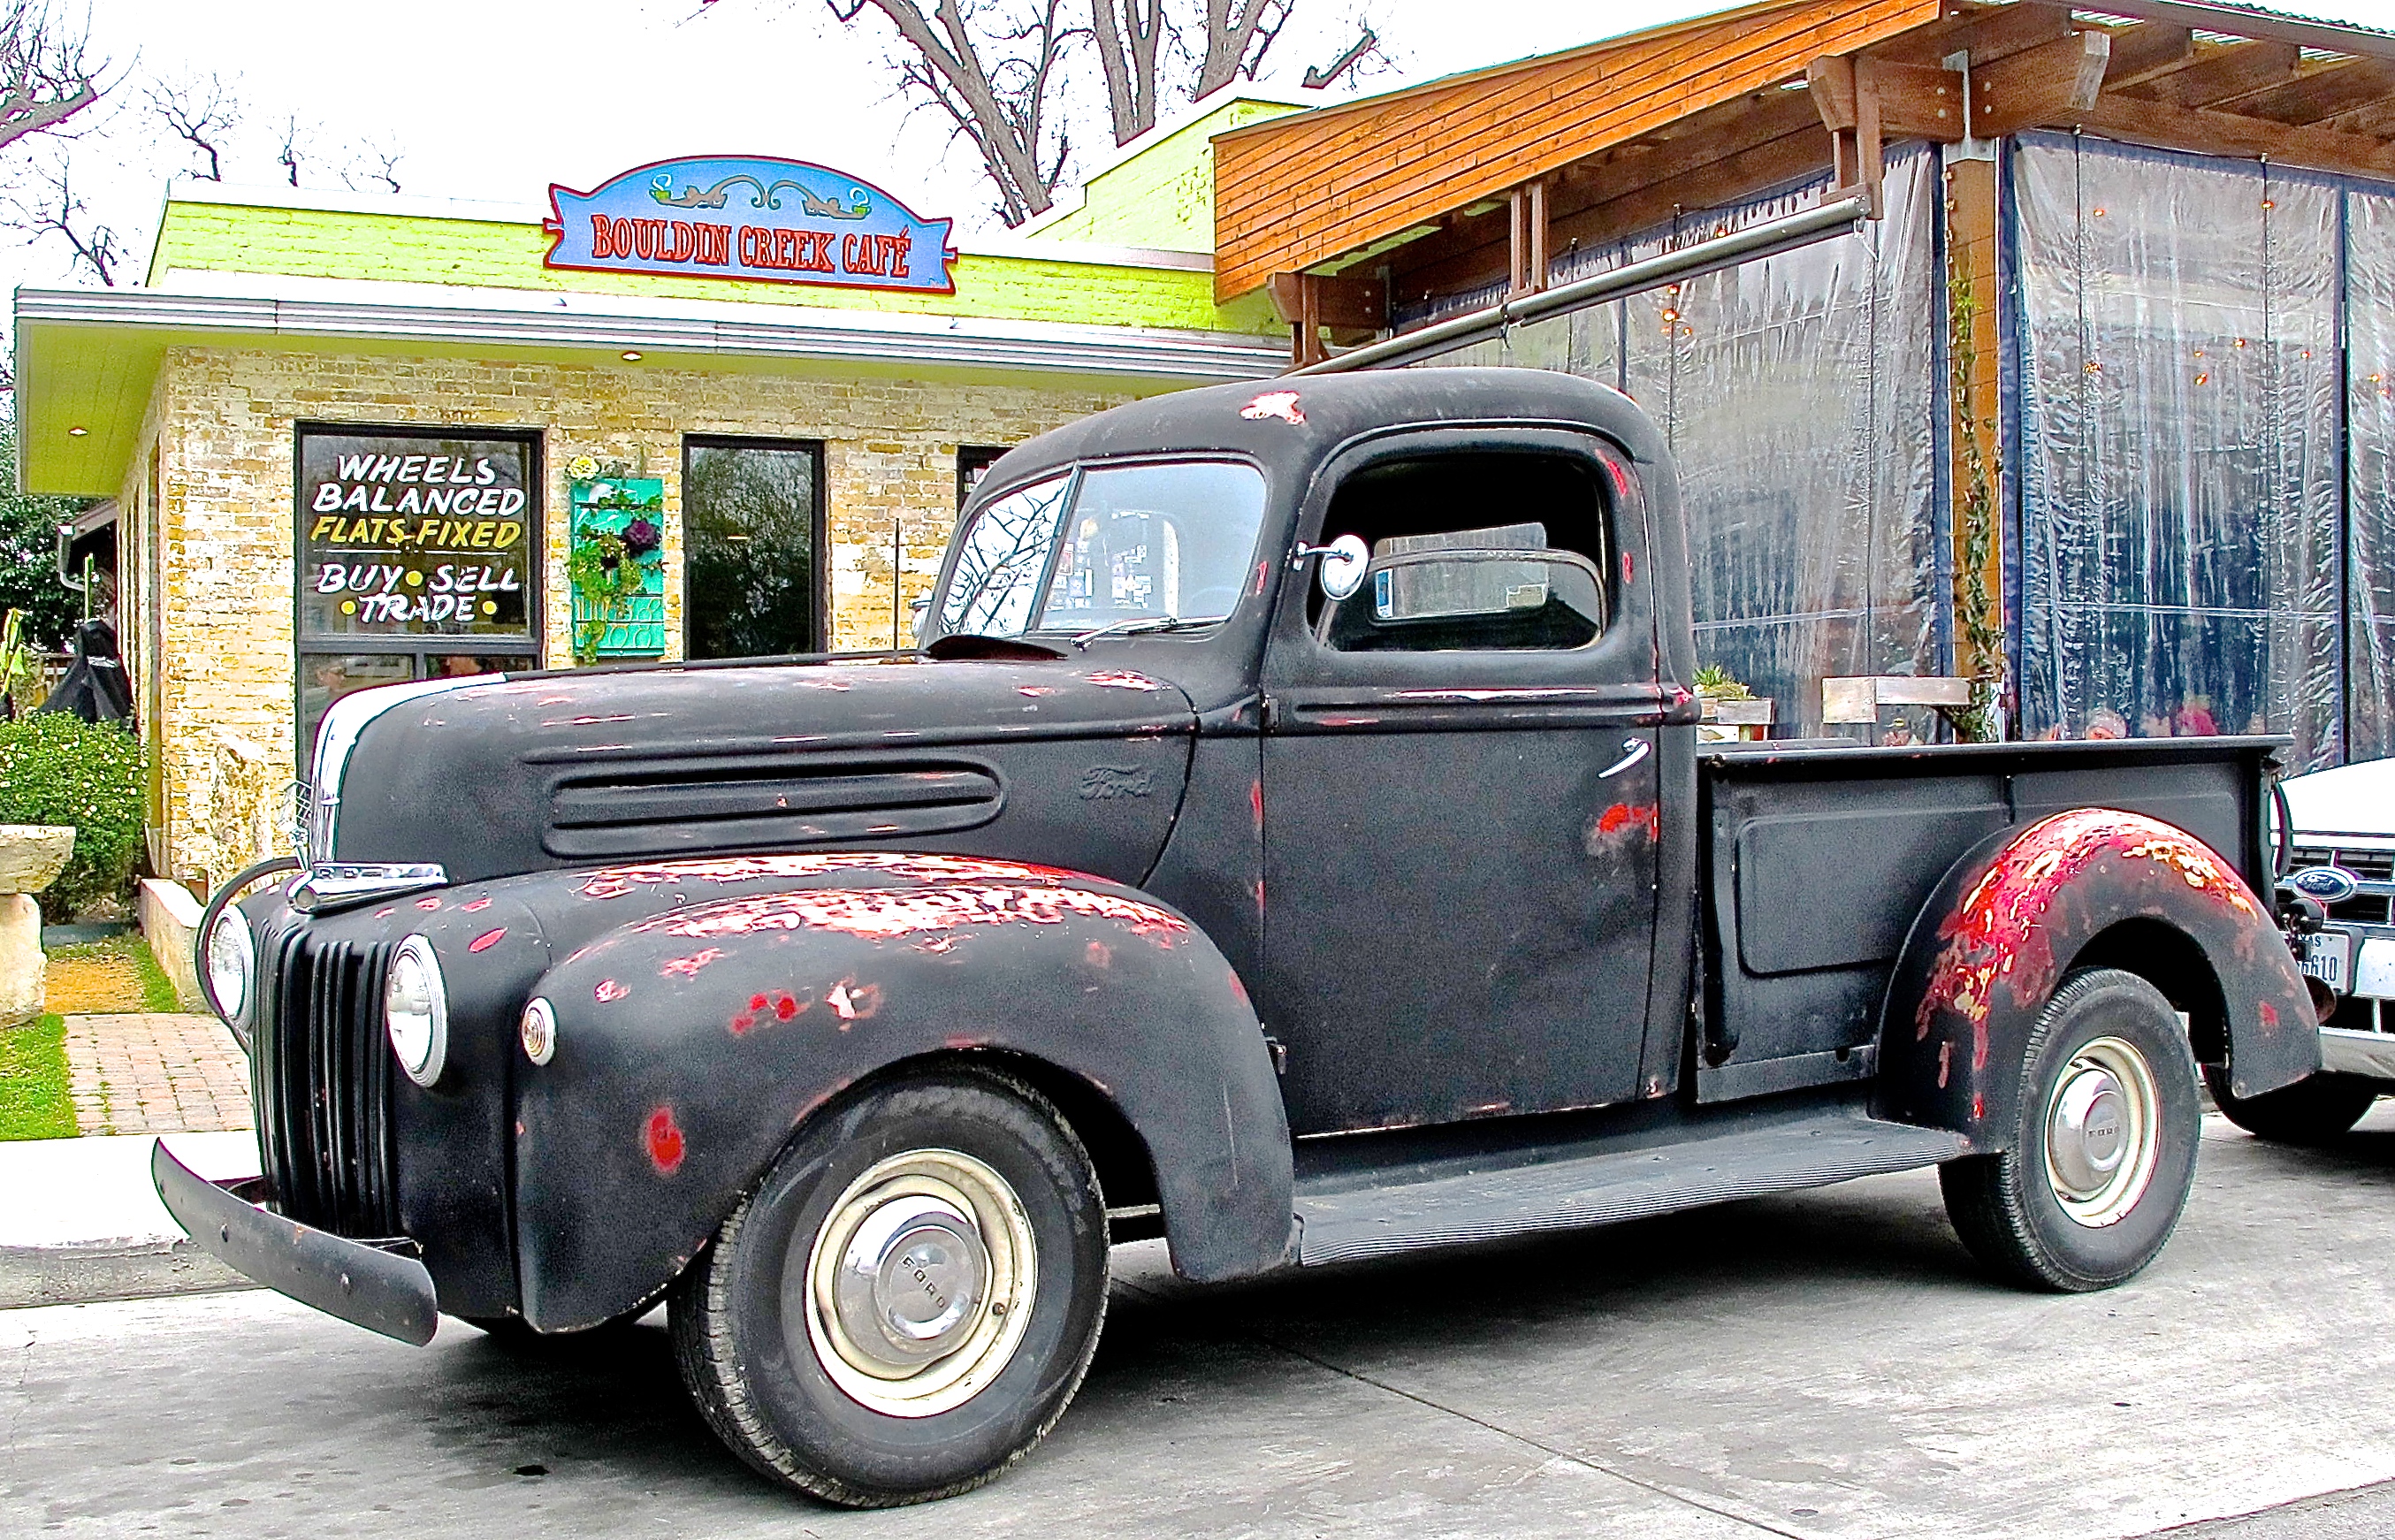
x=1127 y=39
x=47 y=72
x=298 y=146
x=201 y=112
x=53 y=208
x=1239 y=34
x=1001 y=103
x=1366 y=46
x=374 y=162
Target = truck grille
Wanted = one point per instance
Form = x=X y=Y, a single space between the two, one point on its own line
x=322 y=1083
x=2375 y=904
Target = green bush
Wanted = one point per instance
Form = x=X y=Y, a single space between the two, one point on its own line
x=58 y=769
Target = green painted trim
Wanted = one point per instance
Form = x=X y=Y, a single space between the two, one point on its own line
x=310 y=242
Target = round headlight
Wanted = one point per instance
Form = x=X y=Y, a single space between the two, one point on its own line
x=415 y=1010
x=231 y=957
x=539 y=1031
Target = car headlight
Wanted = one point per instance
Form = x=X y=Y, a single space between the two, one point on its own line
x=231 y=959
x=415 y=1010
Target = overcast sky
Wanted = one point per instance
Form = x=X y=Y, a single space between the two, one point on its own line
x=496 y=99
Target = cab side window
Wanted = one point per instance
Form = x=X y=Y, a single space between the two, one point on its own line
x=1471 y=551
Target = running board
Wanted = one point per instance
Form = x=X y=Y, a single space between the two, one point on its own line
x=1606 y=1187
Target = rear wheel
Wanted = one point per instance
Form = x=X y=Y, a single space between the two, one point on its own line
x=905 y=1304
x=2309 y=1113
x=2103 y=1151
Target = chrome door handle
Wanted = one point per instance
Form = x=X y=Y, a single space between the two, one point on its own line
x=1632 y=751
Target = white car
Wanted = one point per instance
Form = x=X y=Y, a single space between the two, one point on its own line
x=2344 y=860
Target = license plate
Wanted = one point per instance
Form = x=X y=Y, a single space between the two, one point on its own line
x=2328 y=956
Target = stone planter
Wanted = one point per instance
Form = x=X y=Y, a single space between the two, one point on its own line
x=32 y=855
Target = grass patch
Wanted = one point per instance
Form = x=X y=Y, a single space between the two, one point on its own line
x=157 y=989
x=34 y=1101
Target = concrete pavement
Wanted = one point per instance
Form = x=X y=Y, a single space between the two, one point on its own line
x=1828 y=1364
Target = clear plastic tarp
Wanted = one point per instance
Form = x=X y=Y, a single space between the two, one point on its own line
x=2180 y=549
x=2370 y=496
x=1801 y=395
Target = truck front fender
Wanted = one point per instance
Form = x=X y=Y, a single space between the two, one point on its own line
x=691 y=1044
x=2029 y=903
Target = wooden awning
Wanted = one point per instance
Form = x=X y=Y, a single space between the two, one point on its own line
x=1488 y=176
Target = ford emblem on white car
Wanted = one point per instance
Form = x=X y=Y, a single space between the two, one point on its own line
x=2329 y=885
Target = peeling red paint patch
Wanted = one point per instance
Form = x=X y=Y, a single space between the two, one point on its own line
x=1945 y=1063
x=757 y=1003
x=1035 y=691
x=662 y=1137
x=485 y=941
x=742 y=1023
x=1623 y=820
x=687 y=967
x=609 y=991
x=1256 y=803
x=937 y=945
x=616 y=881
x=1238 y=986
x=1629 y=568
x=1099 y=955
x=428 y=903
x=1122 y=679
x=382 y=914
x=476 y=906
x=785 y=1006
x=882 y=914
x=1262 y=569
x=854 y=1002
x=2269 y=1017
x=1275 y=404
x=1999 y=931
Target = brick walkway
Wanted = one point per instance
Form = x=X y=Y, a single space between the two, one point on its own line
x=150 y=1073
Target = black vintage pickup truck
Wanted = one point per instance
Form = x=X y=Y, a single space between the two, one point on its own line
x=1291 y=839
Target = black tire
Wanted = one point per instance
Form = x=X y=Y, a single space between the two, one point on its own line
x=754 y=1347
x=2008 y=1208
x=2312 y=1112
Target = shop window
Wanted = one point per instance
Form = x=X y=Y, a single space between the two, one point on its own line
x=973 y=463
x=752 y=543
x=418 y=558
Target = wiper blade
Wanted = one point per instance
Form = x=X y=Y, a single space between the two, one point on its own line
x=1144 y=625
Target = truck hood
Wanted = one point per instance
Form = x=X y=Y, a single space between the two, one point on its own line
x=1061 y=762
x=2354 y=803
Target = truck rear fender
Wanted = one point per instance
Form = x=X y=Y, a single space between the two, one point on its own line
x=691 y=1045
x=2089 y=887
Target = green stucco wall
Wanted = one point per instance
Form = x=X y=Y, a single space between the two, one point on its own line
x=1163 y=197
x=412 y=249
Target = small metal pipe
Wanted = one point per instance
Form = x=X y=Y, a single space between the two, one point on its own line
x=1772 y=236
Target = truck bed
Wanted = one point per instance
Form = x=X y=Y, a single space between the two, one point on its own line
x=1814 y=858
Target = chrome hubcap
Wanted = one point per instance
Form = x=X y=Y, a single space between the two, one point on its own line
x=915 y=1291
x=2103 y=1132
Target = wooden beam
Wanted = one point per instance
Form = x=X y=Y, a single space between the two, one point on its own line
x=1354 y=310
x=2029 y=88
x=2205 y=132
x=1830 y=83
x=2376 y=120
x=2014 y=29
x=1975 y=440
x=2146 y=50
x=2323 y=93
x=1915 y=100
x=2221 y=74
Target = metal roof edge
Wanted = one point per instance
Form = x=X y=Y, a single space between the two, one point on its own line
x=829 y=336
x=2256 y=21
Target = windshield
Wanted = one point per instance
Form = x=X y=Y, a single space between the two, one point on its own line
x=1117 y=545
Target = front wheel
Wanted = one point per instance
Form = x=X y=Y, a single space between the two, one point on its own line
x=905 y=1304
x=2314 y=1111
x=2103 y=1153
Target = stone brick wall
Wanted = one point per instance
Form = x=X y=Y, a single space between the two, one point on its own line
x=222 y=420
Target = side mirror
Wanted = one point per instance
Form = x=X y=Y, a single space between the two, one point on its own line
x=1341 y=572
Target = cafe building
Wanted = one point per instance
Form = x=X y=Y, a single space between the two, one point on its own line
x=713 y=407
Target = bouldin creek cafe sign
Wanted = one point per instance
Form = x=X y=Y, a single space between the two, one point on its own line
x=414 y=537
x=776 y=220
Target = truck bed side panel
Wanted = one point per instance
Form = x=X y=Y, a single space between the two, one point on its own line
x=1818 y=860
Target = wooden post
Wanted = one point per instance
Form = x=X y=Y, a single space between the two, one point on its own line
x=1973 y=346
x=1527 y=240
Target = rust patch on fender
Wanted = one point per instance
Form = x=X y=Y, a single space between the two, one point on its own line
x=609 y=991
x=476 y=906
x=687 y=967
x=1123 y=679
x=428 y=903
x=1623 y=820
x=662 y=1138
x=853 y=1001
x=1998 y=932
